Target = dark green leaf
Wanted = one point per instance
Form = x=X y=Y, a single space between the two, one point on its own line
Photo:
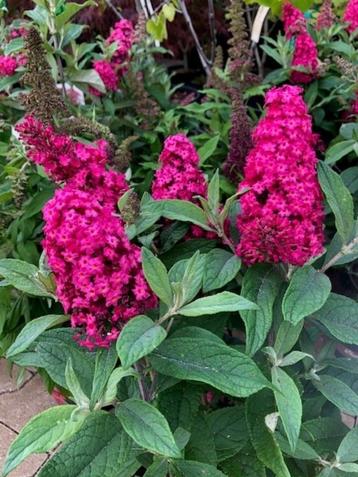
x=32 y=330
x=348 y=450
x=210 y=305
x=307 y=292
x=339 y=394
x=339 y=199
x=138 y=338
x=187 y=468
x=207 y=361
x=55 y=347
x=221 y=267
x=100 y=448
x=230 y=432
x=262 y=439
x=339 y=316
x=261 y=285
x=157 y=276
x=42 y=433
x=23 y=276
x=289 y=404
x=147 y=427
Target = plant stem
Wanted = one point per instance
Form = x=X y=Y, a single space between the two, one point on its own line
x=113 y=8
x=211 y=13
x=204 y=61
x=346 y=249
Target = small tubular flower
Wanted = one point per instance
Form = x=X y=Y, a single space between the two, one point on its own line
x=8 y=65
x=351 y=15
x=97 y=270
x=282 y=213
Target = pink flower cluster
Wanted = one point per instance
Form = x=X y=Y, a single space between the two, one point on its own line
x=111 y=71
x=61 y=157
x=282 y=213
x=8 y=65
x=305 y=54
x=351 y=15
x=97 y=270
x=107 y=73
x=179 y=176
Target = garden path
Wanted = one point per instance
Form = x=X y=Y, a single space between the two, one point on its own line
x=17 y=406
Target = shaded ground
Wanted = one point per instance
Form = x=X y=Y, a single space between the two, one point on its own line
x=17 y=406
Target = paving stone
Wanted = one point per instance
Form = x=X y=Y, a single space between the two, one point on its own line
x=7 y=382
x=29 y=467
x=17 y=408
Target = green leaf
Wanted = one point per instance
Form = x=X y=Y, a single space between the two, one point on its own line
x=70 y=10
x=339 y=150
x=159 y=468
x=287 y=337
x=214 y=192
x=157 y=276
x=90 y=78
x=74 y=387
x=178 y=210
x=100 y=448
x=42 y=433
x=180 y=404
x=307 y=292
x=338 y=315
x=289 y=404
x=147 y=427
x=209 y=305
x=208 y=149
x=293 y=358
x=139 y=337
x=262 y=439
x=116 y=376
x=23 y=276
x=201 y=445
x=261 y=285
x=14 y=46
x=55 y=347
x=303 y=451
x=192 y=279
x=169 y=11
x=210 y=362
x=339 y=199
x=106 y=359
x=185 y=211
x=188 y=468
x=229 y=429
x=349 y=467
x=221 y=267
x=338 y=393
x=348 y=450
x=244 y=464
x=32 y=330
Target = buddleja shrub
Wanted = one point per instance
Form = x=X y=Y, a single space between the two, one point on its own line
x=181 y=360
x=184 y=392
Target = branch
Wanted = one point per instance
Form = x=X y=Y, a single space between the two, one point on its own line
x=346 y=250
x=113 y=8
x=204 y=61
x=211 y=12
